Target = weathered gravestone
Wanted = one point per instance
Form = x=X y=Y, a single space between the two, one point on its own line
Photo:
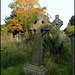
x=19 y=35
x=36 y=27
x=72 y=38
x=11 y=35
x=57 y=23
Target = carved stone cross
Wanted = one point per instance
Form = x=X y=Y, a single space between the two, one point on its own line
x=57 y=23
x=37 y=26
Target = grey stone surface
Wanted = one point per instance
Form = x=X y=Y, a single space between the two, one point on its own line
x=21 y=45
x=36 y=28
x=34 y=70
x=57 y=23
x=19 y=35
x=39 y=24
x=11 y=35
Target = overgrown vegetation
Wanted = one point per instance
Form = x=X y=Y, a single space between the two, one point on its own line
x=71 y=25
x=17 y=55
x=57 y=55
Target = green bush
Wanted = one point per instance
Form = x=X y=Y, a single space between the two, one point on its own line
x=57 y=55
x=54 y=44
x=13 y=55
x=70 y=29
x=51 y=66
x=12 y=70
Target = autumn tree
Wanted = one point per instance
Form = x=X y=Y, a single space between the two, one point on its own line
x=24 y=12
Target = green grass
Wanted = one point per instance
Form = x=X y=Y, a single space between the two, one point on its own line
x=65 y=68
x=15 y=57
x=16 y=70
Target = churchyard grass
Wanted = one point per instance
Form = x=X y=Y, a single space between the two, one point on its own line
x=59 y=55
x=15 y=57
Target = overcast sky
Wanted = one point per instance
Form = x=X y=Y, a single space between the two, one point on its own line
x=63 y=8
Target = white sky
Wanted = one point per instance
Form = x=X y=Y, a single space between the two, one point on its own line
x=63 y=8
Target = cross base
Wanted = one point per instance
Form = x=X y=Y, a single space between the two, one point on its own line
x=34 y=70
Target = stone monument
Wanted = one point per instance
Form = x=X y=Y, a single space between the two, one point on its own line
x=11 y=35
x=57 y=23
x=19 y=35
x=39 y=25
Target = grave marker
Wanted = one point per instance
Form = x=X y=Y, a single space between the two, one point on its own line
x=11 y=35
x=57 y=23
x=72 y=38
x=36 y=27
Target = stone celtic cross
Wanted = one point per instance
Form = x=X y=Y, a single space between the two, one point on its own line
x=36 y=27
x=57 y=23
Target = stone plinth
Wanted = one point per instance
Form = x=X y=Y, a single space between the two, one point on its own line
x=34 y=70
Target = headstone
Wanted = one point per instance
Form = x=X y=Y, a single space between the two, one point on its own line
x=11 y=35
x=57 y=23
x=36 y=27
x=72 y=38
x=17 y=37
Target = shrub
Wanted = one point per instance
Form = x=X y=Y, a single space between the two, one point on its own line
x=53 y=44
x=50 y=65
x=57 y=55
x=13 y=55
